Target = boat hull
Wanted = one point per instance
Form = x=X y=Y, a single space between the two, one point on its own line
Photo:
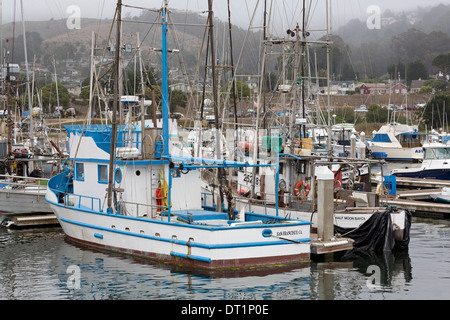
x=206 y=247
x=438 y=174
x=20 y=201
x=347 y=220
x=396 y=154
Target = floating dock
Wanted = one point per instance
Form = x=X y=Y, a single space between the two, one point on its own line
x=419 y=200
x=419 y=206
x=422 y=183
x=28 y=220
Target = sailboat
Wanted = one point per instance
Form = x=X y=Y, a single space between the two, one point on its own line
x=149 y=204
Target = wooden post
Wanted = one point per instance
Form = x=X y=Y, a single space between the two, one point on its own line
x=325 y=205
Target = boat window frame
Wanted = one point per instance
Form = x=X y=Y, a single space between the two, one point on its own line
x=100 y=180
x=78 y=176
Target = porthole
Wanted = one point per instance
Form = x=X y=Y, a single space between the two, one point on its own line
x=138 y=173
x=118 y=175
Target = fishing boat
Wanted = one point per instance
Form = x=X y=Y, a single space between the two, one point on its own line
x=292 y=192
x=435 y=165
x=397 y=142
x=148 y=204
x=342 y=138
x=290 y=188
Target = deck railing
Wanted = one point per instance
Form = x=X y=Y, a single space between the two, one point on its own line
x=10 y=183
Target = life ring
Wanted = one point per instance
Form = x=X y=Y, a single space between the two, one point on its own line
x=297 y=189
x=242 y=192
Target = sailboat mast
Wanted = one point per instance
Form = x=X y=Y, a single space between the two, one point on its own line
x=302 y=59
x=30 y=105
x=115 y=106
x=329 y=148
x=9 y=121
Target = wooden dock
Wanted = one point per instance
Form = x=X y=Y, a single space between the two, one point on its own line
x=28 y=220
x=419 y=201
x=422 y=183
x=420 y=206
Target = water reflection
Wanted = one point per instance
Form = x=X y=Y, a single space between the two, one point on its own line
x=34 y=264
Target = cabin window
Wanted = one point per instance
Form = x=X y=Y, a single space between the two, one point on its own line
x=102 y=174
x=80 y=172
x=437 y=153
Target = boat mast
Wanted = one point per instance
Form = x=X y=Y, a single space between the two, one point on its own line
x=115 y=107
x=330 y=149
x=9 y=121
x=221 y=175
x=165 y=82
x=258 y=109
x=302 y=79
x=30 y=105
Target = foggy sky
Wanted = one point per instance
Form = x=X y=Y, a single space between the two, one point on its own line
x=241 y=10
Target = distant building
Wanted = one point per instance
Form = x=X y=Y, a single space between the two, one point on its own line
x=339 y=87
x=382 y=88
x=14 y=70
x=416 y=85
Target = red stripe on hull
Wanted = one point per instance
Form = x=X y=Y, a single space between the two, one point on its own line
x=217 y=265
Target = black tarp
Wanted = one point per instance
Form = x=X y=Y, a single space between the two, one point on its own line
x=376 y=234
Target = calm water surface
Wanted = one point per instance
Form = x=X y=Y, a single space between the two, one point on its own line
x=37 y=264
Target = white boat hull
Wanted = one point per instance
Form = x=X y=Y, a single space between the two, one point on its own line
x=19 y=201
x=209 y=247
x=347 y=220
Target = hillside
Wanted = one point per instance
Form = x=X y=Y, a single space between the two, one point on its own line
x=357 y=53
x=53 y=38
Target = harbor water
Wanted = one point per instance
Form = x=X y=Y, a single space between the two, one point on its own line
x=42 y=264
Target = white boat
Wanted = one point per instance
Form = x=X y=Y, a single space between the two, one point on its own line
x=24 y=195
x=296 y=187
x=399 y=142
x=341 y=140
x=435 y=165
x=151 y=207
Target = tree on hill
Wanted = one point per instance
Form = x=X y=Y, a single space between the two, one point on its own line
x=242 y=90
x=377 y=114
x=433 y=113
x=49 y=97
x=416 y=70
x=442 y=62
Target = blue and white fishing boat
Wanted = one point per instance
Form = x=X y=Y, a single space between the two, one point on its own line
x=435 y=165
x=148 y=204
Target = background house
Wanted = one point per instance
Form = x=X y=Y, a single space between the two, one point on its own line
x=382 y=88
x=416 y=85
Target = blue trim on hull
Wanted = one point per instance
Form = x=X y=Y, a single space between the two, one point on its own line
x=190 y=257
x=186 y=243
x=438 y=174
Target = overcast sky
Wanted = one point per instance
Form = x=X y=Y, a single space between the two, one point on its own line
x=241 y=10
